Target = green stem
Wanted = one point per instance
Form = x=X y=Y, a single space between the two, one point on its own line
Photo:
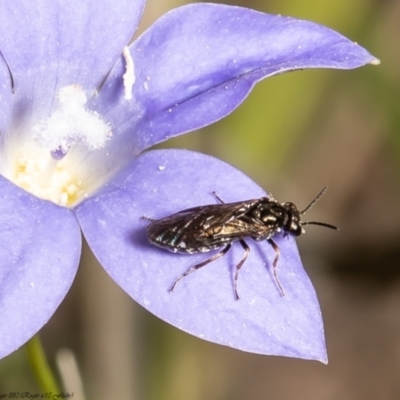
x=41 y=369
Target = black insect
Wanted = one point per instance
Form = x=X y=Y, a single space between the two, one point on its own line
x=205 y=228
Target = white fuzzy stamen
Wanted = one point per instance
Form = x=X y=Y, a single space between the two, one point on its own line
x=129 y=76
x=44 y=163
x=72 y=123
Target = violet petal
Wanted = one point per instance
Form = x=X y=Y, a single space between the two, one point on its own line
x=39 y=256
x=49 y=44
x=162 y=182
x=197 y=63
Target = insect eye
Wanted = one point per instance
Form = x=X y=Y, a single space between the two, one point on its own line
x=295 y=228
x=290 y=206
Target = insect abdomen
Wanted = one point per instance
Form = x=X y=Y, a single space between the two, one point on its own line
x=177 y=240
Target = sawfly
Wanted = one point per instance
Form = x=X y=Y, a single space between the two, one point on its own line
x=205 y=228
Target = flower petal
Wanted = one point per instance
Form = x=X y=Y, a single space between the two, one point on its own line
x=39 y=255
x=50 y=44
x=197 y=63
x=5 y=99
x=162 y=182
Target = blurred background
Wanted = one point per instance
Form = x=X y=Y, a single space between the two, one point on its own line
x=295 y=134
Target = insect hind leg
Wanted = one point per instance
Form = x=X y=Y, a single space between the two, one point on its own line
x=202 y=264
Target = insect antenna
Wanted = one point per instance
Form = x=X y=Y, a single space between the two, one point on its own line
x=316 y=198
x=321 y=224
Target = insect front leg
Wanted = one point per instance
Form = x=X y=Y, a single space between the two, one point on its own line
x=275 y=263
x=202 y=264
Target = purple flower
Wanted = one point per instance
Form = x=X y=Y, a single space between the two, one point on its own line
x=71 y=135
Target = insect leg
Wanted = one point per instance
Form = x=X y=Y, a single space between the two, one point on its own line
x=244 y=258
x=218 y=198
x=275 y=264
x=202 y=264
x=147 y=218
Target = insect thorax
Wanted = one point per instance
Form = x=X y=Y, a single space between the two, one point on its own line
x=277 y=217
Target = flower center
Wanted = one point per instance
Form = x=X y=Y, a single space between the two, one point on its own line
x=46 y=177
x=46 y=164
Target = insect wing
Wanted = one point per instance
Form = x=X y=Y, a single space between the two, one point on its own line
x=237 y=221
x=179 y=232
x=200 y=229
